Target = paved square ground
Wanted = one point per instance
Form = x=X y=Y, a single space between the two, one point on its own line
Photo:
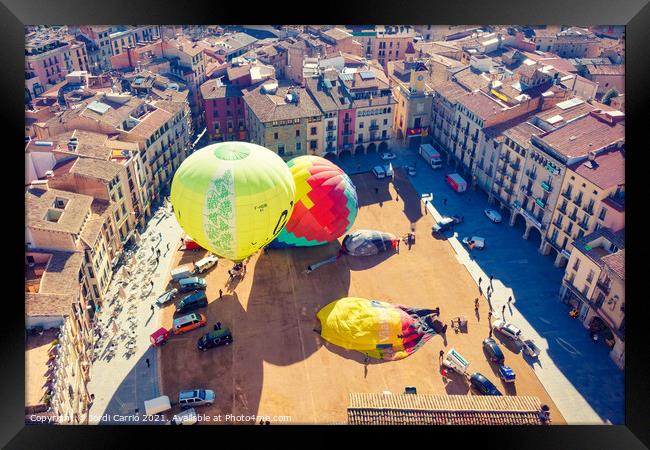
x=278 y=366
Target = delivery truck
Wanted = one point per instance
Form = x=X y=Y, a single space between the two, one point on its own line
x=456 y=182
x=431 y=155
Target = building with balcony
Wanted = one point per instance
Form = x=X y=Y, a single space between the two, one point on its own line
x=160 y=129
x=512 y=151
x=223 y=100
x=598 y=184
x=412 y=87
x=283 y=117
x=594 y=285
x=550 y=154
x=357 y=108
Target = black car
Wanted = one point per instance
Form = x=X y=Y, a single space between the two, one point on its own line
x=215 y=338
x=491 y=348
x=483 y=385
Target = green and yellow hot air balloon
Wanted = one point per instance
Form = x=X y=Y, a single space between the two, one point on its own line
x=233 y=198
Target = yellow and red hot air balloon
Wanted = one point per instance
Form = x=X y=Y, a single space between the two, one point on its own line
x=233 y=198
x=326 y=203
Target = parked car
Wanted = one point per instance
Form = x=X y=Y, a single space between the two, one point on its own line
x=191 y=302
x=166 y=297
x=206 y=263
x=196 y=397
x=379 y=172
x=474 y=242
x=187 y=417
x=386 y=156
x=507 y=329
x=188 y=322
x=493 y=215
x=491 y=348
x=192 y=284
x=214 y=339
x=410 y=170
x=446 y=223
x=530 y=348
x=483 y=385
x=389 y=170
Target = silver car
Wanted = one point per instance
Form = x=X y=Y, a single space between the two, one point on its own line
x=196 y=397
x=493 y=215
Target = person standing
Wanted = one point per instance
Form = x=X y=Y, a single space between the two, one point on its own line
x=444 y=201
x=476 y=303
x=220 y=294
x=491 y=278
x=509 y=300
x=490 y=315
x=503 y=311
x=480 y=280
x=218 y=325
x=376 y=190
x=148 y=363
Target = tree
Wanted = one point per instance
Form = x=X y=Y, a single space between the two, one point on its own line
x=609 y=95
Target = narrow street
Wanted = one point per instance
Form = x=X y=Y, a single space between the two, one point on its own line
x=124 y=373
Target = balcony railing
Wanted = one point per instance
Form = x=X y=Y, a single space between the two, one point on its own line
x=547 y=187
x=373 y=127
x=330 y=138
x=348 y=132
x=577 y=201
x=605 y=287
x=584 y=225
x=589 y=209
x=347 y=120
x=331 y=128
x=541 y=203
x=515 y=166
x=509 y=191
x=562 y=209
x=527 y=191
x=513 y=179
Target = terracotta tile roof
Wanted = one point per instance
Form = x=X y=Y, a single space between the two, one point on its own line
x=470 y=80
x=481 y=104
x=566 y=115
x=272 y=107
x=234 y=72
x=171 y=106
x=99 y=211
x=48 y=304
x=150 y=123
x=213 y=89
x=337 y=34
x=61 y=275
x=96 y=168
x=522 y=133
x=450 y=90
x=616 y=263
x=425 y=409
x=607 y=172
x=605 y=69
x=583 y=135
x=38 y=202
x=116 y=114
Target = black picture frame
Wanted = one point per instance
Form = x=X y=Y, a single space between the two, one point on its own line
x=635 y=14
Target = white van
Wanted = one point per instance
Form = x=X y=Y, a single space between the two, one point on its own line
x=187 y=417
x=204 y=264
x=455 y=362
x=179 y=273
x=157 y=405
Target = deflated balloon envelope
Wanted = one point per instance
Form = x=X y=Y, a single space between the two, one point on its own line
x=378 y=329
x=368 y=242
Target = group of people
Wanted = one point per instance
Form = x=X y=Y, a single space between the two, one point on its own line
x=237 y=269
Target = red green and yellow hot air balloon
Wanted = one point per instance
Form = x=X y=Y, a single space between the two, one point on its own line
x=326 y=203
